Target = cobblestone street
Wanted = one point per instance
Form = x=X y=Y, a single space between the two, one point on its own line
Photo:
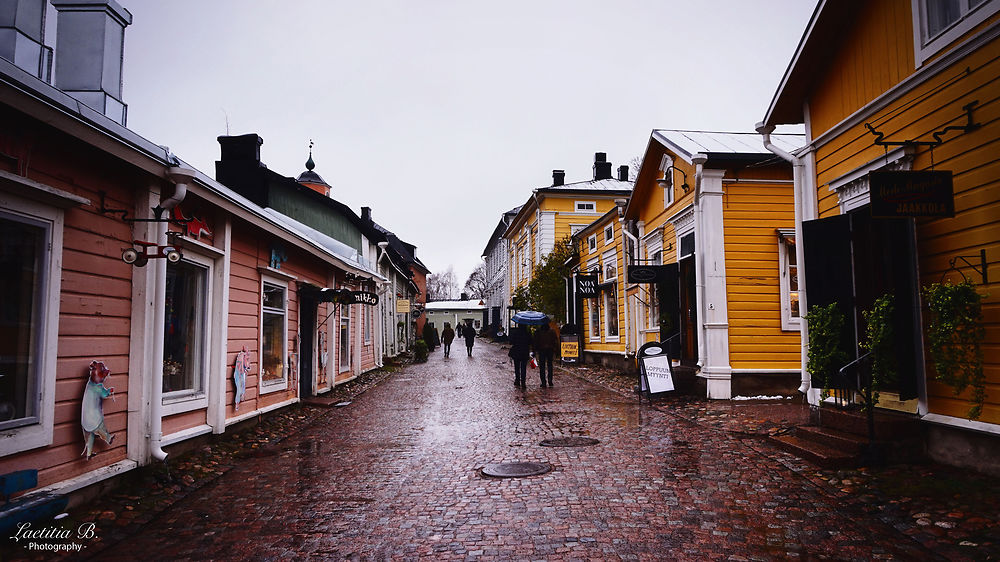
x=395 y=474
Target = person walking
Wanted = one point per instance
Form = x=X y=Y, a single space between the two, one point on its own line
x=520 y=351
x=545 y=346
x=447 y=336
x=470 y=337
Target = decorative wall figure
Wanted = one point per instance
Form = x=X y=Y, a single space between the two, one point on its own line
x=193 y=226
x=278 y=256
x=240 y=371
x=92 y=407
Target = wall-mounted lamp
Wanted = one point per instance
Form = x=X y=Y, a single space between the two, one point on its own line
x=665 y=181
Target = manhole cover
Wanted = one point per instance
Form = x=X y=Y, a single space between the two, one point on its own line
x=516 y=469
x=569 y=442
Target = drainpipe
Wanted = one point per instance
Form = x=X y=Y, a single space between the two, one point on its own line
x=180 y=177
x=798 y=176
x=699 y=263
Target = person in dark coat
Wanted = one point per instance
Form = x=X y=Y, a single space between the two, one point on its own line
x=520 y=351
x=459 y=328
x=469 y=333
x=447 y=336
x=545 y=347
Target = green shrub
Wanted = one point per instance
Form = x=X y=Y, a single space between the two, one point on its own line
x=955 y=334
x=420 y=351
x=826 y=325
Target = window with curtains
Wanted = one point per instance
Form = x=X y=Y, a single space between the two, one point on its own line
x=273 y=349
x=185 y=337
x=937 y=23
x=788 y=272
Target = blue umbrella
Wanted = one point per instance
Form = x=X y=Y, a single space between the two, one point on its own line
x=531 y=318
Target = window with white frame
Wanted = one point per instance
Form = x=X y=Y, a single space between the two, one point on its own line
x=574 y=228
x=610 y=294
x=273 y=335
x=937 y=23
x=789 y=280
x=595 y=319
x=592 y=242
x=369 y=313
x=345 y=337
x=185 y=333
x=668 y=180
x=585 y=206
x=653 y=304
x=24 y=243
x=609 y=234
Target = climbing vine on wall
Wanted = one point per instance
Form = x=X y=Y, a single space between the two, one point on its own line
x=954 y=337
x=826 y=323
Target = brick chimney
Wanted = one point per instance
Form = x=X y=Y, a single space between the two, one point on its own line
x=602 y=168
x=623 y=173
x=90 y=43
x=22 y=36
x=558 y=177
x=366 y=214
x=240 y=169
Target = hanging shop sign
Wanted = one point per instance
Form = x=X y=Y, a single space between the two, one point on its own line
x=646 y=273
x=586 y=286
x=357 y=297
x=926 y=193
x=402 y=306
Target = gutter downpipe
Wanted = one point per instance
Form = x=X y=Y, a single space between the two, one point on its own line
x=385 y=284
x=699 y=161
x=180 y=177
x=798 y=176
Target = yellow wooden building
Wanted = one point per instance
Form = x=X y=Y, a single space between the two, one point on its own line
x=555 y=212
x=712 y=216
x=902 y=85
x=602 y=319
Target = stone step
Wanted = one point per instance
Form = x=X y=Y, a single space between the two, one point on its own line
x=818 y=453
x=889 y=426
x=847 y=442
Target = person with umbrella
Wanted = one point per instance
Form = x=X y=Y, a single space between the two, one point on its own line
x=545 y=346
x=520 y=352
x=526 y=318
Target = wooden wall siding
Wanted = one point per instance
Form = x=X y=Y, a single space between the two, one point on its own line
x=751 y=215
x=973 y=158
x=875 y=54
x=95 y=302
x=245 y=255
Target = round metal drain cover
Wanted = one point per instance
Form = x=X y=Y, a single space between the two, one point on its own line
x=569 y=442
x=516 y=469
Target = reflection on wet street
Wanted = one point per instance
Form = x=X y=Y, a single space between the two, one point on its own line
x=398 y=474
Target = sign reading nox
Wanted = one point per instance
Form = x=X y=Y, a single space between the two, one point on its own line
x=911 y=194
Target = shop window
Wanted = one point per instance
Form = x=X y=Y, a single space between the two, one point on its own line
x=23 y=259
x=368 y=322
x=345 y=337
x=653 y=305
x=789 y=280
x=185 y=334
x=937 y=23
x=610 y=294
x=595 y=319
x=274 y=327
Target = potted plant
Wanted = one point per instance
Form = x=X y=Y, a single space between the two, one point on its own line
x=955 y=334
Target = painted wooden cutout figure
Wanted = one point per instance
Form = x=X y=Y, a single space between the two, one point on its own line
x=240 y=371
x=92 y=407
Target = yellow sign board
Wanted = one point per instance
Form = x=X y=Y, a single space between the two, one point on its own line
x=570 y=349
x=402 y=306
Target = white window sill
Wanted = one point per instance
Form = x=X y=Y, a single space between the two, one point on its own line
x=183 y=402
x=267 y=388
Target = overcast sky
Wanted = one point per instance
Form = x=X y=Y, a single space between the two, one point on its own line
x=440 y=115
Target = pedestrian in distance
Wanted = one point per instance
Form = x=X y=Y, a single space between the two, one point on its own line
x=459 y=328
x=545 y=346
x=520 y=351
x=447 y=336
x=470 y=337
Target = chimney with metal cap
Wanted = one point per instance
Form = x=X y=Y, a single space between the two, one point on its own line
x=90 y=43
x=623 y=173
x=602 y=168
x=22 y=36
x=558 y=177
x=366 y=214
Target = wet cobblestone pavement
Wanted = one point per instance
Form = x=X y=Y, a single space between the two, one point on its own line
x=395 y=475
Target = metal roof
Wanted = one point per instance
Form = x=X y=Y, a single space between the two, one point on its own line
x=689 y=143
x=449 y=305
x=592 y=185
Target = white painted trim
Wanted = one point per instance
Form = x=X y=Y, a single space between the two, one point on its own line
x=183 y=401
x=923 y=74
x=86 y=479
x=962 y=423
x=42 y=193
x=261 y=411
x=184 y=242
x=185 y=434
x=766 y=371
x=277 y=273
x=683 y=222
x=788 y=324
x=40 y=433
x=217 y=384
x=140 y=361
x=605 y=352
x=853 y=191
x=577 y=210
